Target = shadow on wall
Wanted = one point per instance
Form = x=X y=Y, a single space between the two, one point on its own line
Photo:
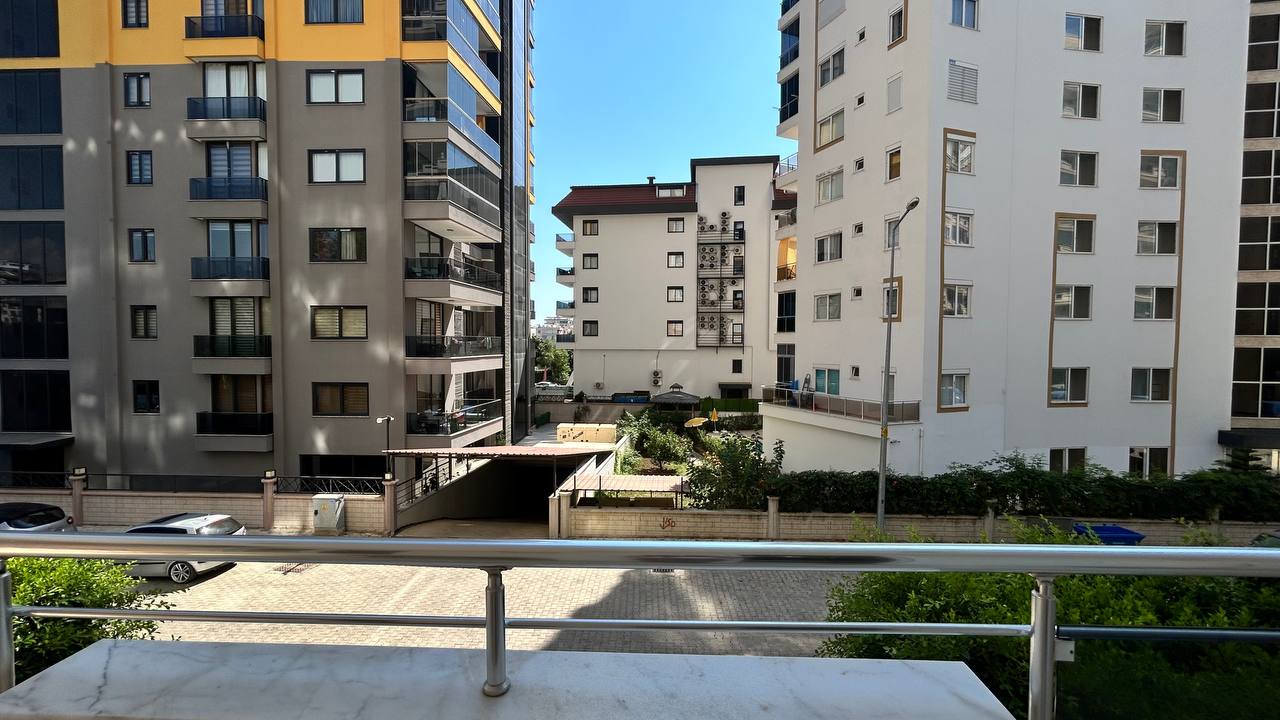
x=705 y=595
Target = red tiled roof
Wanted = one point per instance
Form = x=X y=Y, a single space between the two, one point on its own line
x=623 y=199
x=783 y=199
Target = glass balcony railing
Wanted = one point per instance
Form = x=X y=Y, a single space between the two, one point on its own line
x=438 y=421
x=446 y=188
x=226 y=108
x=788 y=4
x=786 y=219
x=562 y=305
x=228 y=188
x=825 y=404
x=450 y=346
x=787 y=165
x=440 y=268
x=788 y=110
x=441 y=27
x=225 y=26
x=564 y=337
x=564 y=272
x=445 y=110
x=564 y=237
x=789 y=56
x=233 y=423
x=230 y=268
x=232 y=346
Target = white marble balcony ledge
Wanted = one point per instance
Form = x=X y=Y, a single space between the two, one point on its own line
x=206 y=681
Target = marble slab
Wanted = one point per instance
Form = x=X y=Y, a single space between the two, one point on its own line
x=122 y=680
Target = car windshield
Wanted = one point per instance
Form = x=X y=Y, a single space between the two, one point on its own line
x=37 y=518
x=225 y=526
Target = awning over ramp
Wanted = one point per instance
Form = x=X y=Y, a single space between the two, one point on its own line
x=529 y=452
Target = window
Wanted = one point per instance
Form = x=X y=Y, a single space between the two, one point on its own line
x=1148 y=461
x=590 y=227
x=1074 y=235
x=956 y=300
x=30 y=28
x=786 y=363
x=1161 y=105
x=591 y=261
x=590 y=294
x=862 y=34
x=830 y=186
x=1260 y=104
x=32 y=253
x=1080 y=100
x=831 y=128
x=30 y=101
x=953 y=390
x=1078 y=169
x=1157 y=238
x=893 y=164
x=335 y=87
x=735 y=367
x=1264 y=42
x=339 y=322
x=857 y=229
x=959 y=156
x=859 y=165
x=788 y=98
x=787 y=311
x=826 y=307
x=898 y=25
x=142 y=245
x=826 y=380
x=675 y=328
x=675 y=225
x=144 y=322
x=860 y=100
x=1083 y=33
x=957 y=228
x=675 y=293
x=739 y=195
x=675 y=259
x=137 y=90
x=1072 y=302
x=891 y=233
x=335 y=11
x=965 y=13
x=590 y=328
x=893 y=92
x=670 y=192
x=134 y=13
x=337 y=166
x=1165 y=38
x=831 y=68
x=32 y=177
x=139 y=163
x=1259 y=243
x=338 y=245
x=1257 y=308
x=33 y=327
x=1255 y=387
x=829 y=247
x=891 y=300
x=1150 y=385
x=146 y=397
x=962 y=81
x=1152 y=303
x=1261 y=172
x=1160 y=171
x=340 y=399
x=1069 y=385
x=1064 y=460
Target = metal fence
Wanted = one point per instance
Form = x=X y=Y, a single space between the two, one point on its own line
x=899 y=412
x=21 y=479
x=1044 y=562
x=306 y=485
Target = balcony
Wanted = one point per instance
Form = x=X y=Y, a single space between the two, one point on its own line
x=565 y=338
x=452 y=281
x=840 y=407
x=230 y=277
x=444 y=205
x=785 y=175
x=226 y=118
x=234 y=432
x=231 y=355
x=787 y=272
x=789 y=109
x=435 y=26
x=451 y=354
x=788 y=4
x=225 y=26
x=472 y=420
x=565 y=276
x=564 y=309
x=565 y=243
x=228 y=198
x=717 y=269
x=445 y=110
x=224 y=37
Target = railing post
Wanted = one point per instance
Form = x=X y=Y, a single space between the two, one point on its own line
x=773 y=522
x=268 y=500
x=495 y=635
x=8 y=671
x=1044 y=630
x=78 y=480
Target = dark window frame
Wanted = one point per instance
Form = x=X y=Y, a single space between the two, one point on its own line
x=335 y=73
x=150 y=322
x=142 y=91
x=679 y=290
x=144 y=179
x=31 y=102
x=16 y=268
x=595 y=257
x=335 y=5
x=590 y=228
x=342 y=399
x=590 y=295
x=53 y=388
x=342 y=311
x=315 y=234
x=141 y=14
x=675 y=256
x=337 y=167
x=590 y=328
x=147 y=245
x=678 y=326
x=739 y=195
x=34 y=327
x=148 y=392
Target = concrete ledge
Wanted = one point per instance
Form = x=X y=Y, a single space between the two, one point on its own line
x=235 y=443
x=230 y=288
x=208 y=681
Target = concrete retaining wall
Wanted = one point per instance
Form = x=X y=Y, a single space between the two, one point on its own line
x=294 y=515
x=562 y=412
x=61 y=498
x=120 y=507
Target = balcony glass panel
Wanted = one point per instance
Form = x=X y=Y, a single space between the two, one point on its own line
x=232 y=346
x=226 y=108
x=445 y=110
x=452 y=21
x=450 y=346
x=224 y=26
x=467 y=414
x=228 y=188
x=220 y=423
x=440 y=268
x=230 y=268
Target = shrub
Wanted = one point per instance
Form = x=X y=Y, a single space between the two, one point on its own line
x=735 y=474
x=41 y=642
x=663 y=447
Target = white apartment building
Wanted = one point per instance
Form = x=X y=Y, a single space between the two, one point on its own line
x=1065 y=286
x=672 y=282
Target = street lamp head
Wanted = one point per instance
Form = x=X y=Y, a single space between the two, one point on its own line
x=915 y=201
x=385 y=418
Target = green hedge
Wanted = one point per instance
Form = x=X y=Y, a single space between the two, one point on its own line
x=746 y=405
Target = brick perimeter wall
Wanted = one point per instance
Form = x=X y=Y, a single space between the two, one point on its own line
x=293 y=514
x=108 y=507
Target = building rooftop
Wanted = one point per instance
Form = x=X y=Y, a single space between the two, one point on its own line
x=623 y=200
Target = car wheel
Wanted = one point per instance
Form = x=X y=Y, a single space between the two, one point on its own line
x=182 y=572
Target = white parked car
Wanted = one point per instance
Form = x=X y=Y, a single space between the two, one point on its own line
x=34 y=517
x=183 y=571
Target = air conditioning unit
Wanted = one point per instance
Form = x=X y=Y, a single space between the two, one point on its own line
x=724 y=215
x=657 y=374
x=598 y=386
x=657 y=382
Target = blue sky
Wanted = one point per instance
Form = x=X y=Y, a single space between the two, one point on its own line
x=629 y=89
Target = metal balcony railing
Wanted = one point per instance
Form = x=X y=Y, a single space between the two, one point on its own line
x=722 y=237
x=225 y=26
x=1045 y=563
x=713 y=338
x=789 y=56
x=787 y=272
x=565 y=337
x=786 y=219
x=450 y=190
x=230 y=268
x=564 y=237
x=232 y=423
x=466 y=415
x=707 y=270
x=228 y=188
x=446 y=110
x=232 y=346
x=442 y=268
x=788 y=164
x=449 y=346
x=899 y=412
x=226 y=108
x=564 y=272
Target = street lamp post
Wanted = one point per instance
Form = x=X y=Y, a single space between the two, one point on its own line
x=890 y=313
x=387 y=419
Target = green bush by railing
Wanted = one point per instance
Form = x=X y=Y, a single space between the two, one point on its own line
x=541 y=419
x=748 y=405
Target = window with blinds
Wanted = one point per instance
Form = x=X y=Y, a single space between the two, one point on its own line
x=233 y=316
x=336 y=399
x=428 y=318
x=235 y=393
x=962 y=81
x=231 y=159
x=894 y=94
x=339 y=322
x=145 y=324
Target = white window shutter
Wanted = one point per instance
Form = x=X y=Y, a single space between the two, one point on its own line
x=962 y=81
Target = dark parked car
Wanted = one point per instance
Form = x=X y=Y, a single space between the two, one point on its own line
x=34 y=517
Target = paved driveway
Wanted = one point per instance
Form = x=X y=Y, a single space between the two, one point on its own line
x=701 y=594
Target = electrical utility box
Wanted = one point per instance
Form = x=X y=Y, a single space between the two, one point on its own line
x=330 y=514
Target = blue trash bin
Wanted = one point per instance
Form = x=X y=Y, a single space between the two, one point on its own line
x=1111 y=534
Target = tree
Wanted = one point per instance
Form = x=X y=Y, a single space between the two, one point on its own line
x=736 y=474
x=555 y=360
